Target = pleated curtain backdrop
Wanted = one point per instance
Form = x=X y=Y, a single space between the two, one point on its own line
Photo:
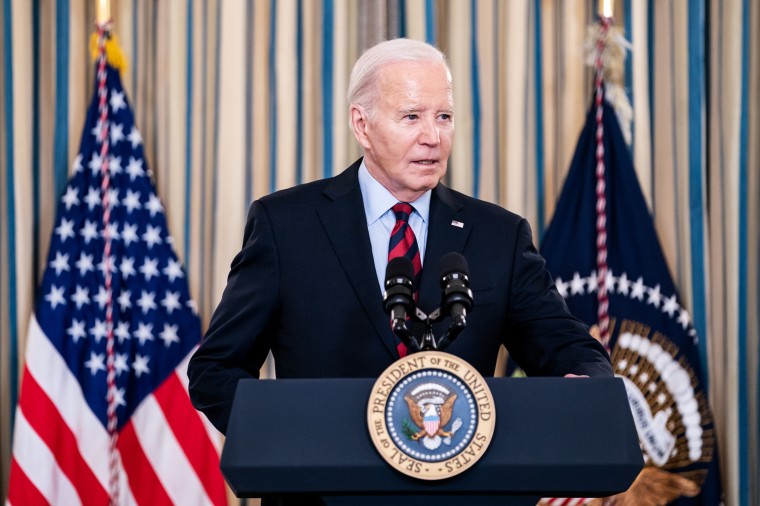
x=236 y=99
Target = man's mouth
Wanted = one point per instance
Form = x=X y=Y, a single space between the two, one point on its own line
x=426 y=162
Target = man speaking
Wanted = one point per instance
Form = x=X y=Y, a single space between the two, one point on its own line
x=308 y=281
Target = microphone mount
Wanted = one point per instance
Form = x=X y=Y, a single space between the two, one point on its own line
x=456 y=301
x=427 y=341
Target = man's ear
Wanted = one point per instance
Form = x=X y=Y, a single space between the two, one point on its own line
x=359 y=125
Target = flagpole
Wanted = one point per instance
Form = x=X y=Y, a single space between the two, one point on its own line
x=103 y=11
x=606 y=8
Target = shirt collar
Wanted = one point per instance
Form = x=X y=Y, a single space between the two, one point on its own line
x=377 y=199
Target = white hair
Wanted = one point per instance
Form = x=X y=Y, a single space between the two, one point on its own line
x=362 y=89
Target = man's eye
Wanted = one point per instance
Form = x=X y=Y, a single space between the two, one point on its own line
x=411 y=116
x=445 y=117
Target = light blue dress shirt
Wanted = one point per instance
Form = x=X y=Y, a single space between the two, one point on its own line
x=381 y=220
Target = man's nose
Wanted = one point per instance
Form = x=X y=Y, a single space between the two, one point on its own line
x=429 y=133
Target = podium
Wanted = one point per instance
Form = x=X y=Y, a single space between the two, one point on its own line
x=554 y=437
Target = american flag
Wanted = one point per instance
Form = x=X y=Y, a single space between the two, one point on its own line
x=111 y=276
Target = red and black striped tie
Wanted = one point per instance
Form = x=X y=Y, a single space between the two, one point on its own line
x=404 y=244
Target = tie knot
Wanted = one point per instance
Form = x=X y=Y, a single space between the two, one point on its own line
x=402 y=210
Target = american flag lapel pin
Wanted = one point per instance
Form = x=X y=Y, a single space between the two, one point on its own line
x=455 y=223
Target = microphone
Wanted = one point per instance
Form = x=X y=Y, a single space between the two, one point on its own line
x=456 y=295
x=398 y=298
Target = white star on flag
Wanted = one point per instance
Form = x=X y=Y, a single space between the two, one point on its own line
x=131 y=201
x=120 y=363
x=173 y=270
x=96 y=363
x=152 y=236
x=76 y=330
x=60 y=264
x=127 y=267
x=93 y=198
x=135 y=138
x=149 y=268
x=140 y=365
x=169 y=334
x=576 y=284
x=65 y=230
x=144 y=333
x=638 y=289
x=71 y=197
x=147 y=301
x=122 y=332
x=134 y=169
x=117 y=101
x=99 y=330
x=81 y=296
x=117 y=134
x=171 y=301
x=55 y=297
x=96 y=163
x=84 y=264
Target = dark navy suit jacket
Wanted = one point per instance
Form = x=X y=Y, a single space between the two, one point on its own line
x=304 y=286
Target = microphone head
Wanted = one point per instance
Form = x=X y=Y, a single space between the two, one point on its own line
x=399 y=267
x=399 y=288
x=453 y=262
x=455 y=282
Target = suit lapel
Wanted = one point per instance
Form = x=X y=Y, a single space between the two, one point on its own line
x=444 y=235
x=344 y=221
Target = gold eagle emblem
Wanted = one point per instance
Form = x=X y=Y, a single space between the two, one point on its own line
x=431 y=411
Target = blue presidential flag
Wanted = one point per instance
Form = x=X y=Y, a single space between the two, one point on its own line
x=651 y=339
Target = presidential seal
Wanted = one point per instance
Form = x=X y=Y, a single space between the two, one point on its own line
x=431 y=415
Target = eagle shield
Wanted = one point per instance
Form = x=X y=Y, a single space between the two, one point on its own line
x=430 y=419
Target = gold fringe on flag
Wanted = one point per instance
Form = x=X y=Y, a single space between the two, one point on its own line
x=114 y=54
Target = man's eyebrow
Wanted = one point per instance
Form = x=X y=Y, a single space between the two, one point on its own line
x=410 y=110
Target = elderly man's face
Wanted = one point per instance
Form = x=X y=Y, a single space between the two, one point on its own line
x=408 y=139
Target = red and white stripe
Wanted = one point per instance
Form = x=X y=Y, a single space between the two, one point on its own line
x=564 y=501
x=167 y=455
